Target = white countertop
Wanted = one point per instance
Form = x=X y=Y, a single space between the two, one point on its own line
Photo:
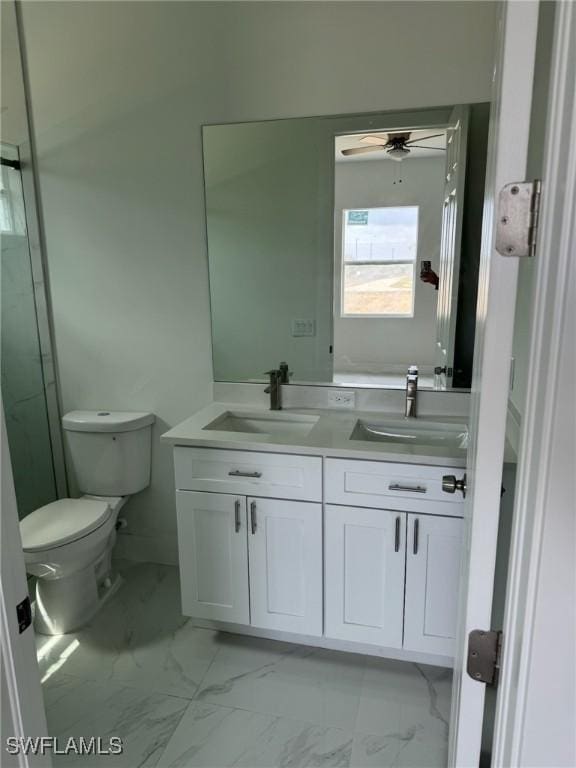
x=330 y=435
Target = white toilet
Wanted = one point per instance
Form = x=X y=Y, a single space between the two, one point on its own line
x=68 y=544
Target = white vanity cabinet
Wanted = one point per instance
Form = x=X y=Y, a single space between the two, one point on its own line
x=392 y=562
x=377 y=566
x=247 y=557
x=433 y=555
x=365 y=559
x=213 y=556
x=285 y=557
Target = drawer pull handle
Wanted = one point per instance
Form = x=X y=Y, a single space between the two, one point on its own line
x=237 y=516
x=416 y=535
x=239 y=473
x=253 y=523
x=397 y=536
x=409 y=488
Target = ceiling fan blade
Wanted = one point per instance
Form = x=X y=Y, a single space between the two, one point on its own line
x=361 y=150
x=419 y=146
x=377 y=140
x=425 y=138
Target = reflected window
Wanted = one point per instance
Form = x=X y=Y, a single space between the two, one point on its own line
x=379 y=247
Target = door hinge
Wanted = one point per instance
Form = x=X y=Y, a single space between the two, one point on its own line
x=24 y=614
x=517 y=222
x=484 y=651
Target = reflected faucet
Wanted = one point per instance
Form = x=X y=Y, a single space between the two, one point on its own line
x=285 y=373
x=411 y=392
x=274 y=389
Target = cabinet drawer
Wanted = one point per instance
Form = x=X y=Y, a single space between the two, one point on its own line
x=409 y=487
x=273 y=475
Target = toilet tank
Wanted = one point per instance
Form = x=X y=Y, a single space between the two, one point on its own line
x=109 y=451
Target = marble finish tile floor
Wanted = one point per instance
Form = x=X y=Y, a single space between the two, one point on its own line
x=182 y=696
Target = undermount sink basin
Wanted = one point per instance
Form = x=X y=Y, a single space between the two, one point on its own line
x=271 y=423
x=430 y=434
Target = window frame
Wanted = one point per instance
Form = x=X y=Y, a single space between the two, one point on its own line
x=373 y=262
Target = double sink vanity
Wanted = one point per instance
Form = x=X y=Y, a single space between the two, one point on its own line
x=336 y=528
x=336 y=520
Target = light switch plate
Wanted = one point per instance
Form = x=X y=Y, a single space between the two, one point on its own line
x=341 y=398
x=303 y=327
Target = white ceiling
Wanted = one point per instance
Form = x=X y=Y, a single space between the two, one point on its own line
x=353 y=140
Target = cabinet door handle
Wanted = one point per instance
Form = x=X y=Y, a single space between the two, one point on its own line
x=253 y=524
x=416 y=535
x=239 y=473
x=397 y=536
x=409 y=488
x=237 y=516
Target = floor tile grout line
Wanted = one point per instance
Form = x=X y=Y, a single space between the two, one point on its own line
x=208 y=668
x=122 y=684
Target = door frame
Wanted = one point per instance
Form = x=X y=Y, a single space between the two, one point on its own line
x=19 y=668
x=497 y=284
x=545 y=484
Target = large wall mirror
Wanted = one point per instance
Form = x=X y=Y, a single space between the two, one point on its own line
x=347 y=246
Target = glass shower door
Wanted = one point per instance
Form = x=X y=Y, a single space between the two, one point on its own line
x=22 y=374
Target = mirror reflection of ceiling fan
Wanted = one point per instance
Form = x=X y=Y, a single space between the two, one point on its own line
x=396 y=145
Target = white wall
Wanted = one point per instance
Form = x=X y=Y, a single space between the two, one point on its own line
x=119 y=92
x=269 y=209
x=378 y=345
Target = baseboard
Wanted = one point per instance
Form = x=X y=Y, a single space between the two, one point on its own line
x=397 y=654
x=147 y=549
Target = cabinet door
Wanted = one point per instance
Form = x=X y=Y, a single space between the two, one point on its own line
x=213 y=556
x=365 y=563
x=434 y=551
x=285 y=553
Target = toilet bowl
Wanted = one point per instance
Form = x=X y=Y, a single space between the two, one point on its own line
x=68 y=543
x=68 y=547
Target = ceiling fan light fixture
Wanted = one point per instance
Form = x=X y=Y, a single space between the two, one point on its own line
x=398 y=153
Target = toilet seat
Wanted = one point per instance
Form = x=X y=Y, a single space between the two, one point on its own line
x=62 y=522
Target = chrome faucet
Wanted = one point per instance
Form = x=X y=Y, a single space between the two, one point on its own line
x=411 y=392
x=274 y=389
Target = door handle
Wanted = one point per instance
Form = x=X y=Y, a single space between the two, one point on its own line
x=451 y=485
x=237 y=516
x=253 y=524
x=239 y=473
x=416 y=535
x=397 y=536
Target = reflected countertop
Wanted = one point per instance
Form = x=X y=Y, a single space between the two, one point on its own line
x=330 y=435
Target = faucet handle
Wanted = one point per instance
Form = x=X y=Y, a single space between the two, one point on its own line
x=285 y=372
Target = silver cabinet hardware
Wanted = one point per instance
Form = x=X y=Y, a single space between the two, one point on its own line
x=416 y=535
x=236 y=515
x=451 y=485
x=253 y=524
x=240 y=473
x=408 y=488
x=397 y=536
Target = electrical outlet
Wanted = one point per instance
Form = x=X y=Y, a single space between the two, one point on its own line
x=341 y=398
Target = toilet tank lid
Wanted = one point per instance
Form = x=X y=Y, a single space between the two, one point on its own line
x=106 y=421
